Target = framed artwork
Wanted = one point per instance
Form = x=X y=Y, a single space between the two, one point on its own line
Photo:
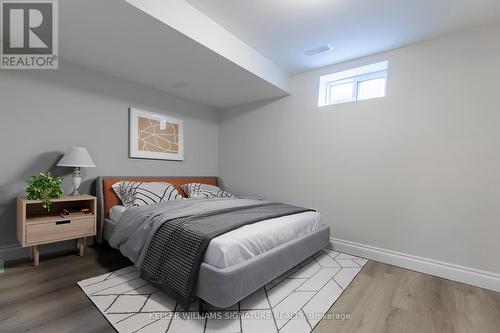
x=155 y=136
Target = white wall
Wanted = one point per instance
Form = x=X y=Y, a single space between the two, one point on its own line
x=43 y=113
x=417 y=172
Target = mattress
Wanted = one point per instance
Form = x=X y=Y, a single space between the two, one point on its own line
x=116 y=212
x=251 y=240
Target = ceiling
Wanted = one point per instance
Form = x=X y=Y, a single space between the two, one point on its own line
x=117 y=38
x=282 y=30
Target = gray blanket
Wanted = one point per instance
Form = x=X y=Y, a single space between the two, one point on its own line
x=167 y=241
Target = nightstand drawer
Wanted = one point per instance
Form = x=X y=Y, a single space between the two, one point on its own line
x=53 y=231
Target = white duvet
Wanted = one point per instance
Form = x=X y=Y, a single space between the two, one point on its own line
x=251 y=240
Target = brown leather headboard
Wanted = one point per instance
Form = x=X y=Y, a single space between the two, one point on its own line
x=107 y=198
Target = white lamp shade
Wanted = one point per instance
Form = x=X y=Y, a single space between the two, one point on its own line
x=77 y=157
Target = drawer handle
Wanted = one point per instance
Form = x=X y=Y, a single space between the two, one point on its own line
x=63 y=222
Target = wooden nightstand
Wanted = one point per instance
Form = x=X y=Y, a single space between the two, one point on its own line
x=36 y=225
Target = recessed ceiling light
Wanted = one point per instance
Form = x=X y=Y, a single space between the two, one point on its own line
x=319 y=49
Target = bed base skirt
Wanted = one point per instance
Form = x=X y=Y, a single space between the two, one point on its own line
x=224 y=287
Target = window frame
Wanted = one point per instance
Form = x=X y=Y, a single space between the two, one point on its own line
x=356 y=76
x=332 y=84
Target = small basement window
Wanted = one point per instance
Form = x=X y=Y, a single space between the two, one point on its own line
x=353 y=85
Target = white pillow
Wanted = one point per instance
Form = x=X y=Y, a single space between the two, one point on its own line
x=204 y=191
x=133 y=194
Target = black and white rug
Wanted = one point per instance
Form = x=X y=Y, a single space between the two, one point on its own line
x=294 y=302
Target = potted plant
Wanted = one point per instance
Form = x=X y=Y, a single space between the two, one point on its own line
x=44 y=187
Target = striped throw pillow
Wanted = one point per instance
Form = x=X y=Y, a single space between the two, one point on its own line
x=204 y=191
x=134 y=194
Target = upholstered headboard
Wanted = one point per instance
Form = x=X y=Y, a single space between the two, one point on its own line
x=107 y=198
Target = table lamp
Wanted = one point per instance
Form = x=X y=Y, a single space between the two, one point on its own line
x=76 y=158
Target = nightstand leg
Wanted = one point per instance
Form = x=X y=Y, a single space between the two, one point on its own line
x=81 y=245
x=36 y=255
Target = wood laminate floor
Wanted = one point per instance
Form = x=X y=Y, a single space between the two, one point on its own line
x=382 y=298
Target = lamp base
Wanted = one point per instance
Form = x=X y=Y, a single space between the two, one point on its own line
x=77 y=180
x=76 y=192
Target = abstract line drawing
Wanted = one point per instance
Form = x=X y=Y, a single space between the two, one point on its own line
x=155 y=136
x=158 y=136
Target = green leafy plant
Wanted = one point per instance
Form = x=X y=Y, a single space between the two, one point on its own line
x=44 y=187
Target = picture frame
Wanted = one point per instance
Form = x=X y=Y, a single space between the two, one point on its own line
x=155 y=136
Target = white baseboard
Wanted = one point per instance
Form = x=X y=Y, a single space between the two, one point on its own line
x=472 y=276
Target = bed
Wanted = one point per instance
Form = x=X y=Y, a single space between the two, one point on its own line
x=240 y=261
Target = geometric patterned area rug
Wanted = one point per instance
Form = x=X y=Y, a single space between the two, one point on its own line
x=294 y=302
